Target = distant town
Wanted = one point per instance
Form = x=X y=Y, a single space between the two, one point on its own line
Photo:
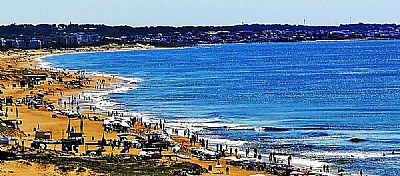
x=28 y=36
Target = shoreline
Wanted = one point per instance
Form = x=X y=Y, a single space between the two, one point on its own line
x=281 y=158
x=101 y=75
x=147 y=118
x=32 y=62
x=214 y=142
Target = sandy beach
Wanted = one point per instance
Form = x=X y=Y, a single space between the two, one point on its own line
x=15 y=63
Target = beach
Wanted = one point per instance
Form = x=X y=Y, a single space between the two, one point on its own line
x=265 y=98
x=15 y=64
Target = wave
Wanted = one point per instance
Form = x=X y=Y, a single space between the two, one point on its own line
x=359 y=155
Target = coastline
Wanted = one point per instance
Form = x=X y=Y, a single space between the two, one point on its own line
x=174 y=124
x=98 y=76
x=93 y=129
x=102 y=113
x=152 y=119
x=213 y=142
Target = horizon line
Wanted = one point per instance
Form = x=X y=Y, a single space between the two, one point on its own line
x=178 y=26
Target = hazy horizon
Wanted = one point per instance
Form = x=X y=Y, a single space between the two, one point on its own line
x=186 y=25
x=199 y=12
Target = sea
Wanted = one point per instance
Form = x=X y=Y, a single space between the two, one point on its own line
x=308 y=99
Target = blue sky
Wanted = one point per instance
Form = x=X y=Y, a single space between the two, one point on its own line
x=199 y=12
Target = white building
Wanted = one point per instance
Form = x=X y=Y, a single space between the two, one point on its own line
x=87 y=38
x=2 y=42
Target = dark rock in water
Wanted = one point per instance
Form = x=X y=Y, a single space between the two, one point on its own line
x=278 y=129
x=357 y=140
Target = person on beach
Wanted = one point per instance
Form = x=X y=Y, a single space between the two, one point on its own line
x=270 y=157
x=289 y=160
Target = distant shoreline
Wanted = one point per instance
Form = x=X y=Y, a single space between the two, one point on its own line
x=130 y=47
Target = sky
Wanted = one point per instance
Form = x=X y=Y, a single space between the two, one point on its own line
x=199 y=12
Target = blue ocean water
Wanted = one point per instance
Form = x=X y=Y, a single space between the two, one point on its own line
x=318 y=94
